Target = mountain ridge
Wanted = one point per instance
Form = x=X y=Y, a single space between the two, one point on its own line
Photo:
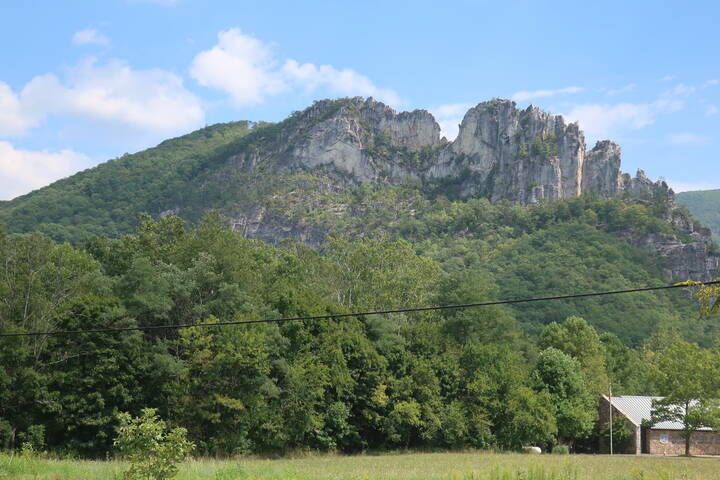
x=704 y=205
x=299 y=178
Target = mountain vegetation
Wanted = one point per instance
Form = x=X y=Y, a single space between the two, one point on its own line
x=705 y=205
x=452 y=379
x=345 y=207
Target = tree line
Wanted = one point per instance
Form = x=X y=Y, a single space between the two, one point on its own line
x=472 y=378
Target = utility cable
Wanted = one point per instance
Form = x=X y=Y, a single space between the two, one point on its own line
x=337 y=316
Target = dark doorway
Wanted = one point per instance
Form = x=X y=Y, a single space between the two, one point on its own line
x=644 y=447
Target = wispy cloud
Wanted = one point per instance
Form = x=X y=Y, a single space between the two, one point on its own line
x=114 y=93
x=624 y=89
x=24 y=170
x=240 y=65
x=338 y=82
x=681 y=186
x=712 y=110
x=681 y=90
x=15 y=119
x=687 y=138
x=449 y=117
x=525 y=95
x=90 y=36
x=604 y=120
x=246 y=69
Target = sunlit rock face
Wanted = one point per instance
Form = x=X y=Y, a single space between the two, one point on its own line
x=501 y=152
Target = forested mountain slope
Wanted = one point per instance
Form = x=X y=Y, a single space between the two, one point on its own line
x=495 y=377
x=108 y=199
x=347 y=206
x=705 y=205
x=501 y=153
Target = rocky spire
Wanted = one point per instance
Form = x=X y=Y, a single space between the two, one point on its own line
x=501 y=152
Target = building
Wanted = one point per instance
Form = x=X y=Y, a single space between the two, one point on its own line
x=663 y=438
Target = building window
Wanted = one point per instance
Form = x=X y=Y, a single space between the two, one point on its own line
x=664 y=438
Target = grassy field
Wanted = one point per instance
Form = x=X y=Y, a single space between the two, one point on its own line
x=459 y=466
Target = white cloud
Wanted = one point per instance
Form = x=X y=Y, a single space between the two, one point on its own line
x=90 y=36
x=14 y=119
x=24 y=170
x=603 y=120
x=341 y=82
x=114 y=93
x=686 y=138
x=680 y=186
x=681 y=90
x=712 y=82
x=712 y=110
x=449 y=117
x=240 y=65
x=625 y=88
x=668 y=78
x=524 y=96
x=246 y=69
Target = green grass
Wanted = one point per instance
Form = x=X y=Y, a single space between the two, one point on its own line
x=416 y=466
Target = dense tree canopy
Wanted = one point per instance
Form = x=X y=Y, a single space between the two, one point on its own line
x=689 y=380
x=486 y=377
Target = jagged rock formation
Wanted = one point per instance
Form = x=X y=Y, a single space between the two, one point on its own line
x=500 y=152
x=255 y=172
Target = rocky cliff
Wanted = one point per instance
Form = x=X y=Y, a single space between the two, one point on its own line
x=322 y=170
x=501 y=152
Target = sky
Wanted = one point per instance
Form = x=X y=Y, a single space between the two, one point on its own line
x=83 y=82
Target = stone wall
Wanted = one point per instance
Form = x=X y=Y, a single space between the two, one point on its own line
x=671 y=442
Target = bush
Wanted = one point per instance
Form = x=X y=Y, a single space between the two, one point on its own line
x=6 y=434
x=33 y=438
x=560 y=450
x=152 y=449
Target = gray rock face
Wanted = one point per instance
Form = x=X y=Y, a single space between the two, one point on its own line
x=364 y=138
x=601 y=170
x=501 y=152
x=525 y=156
x=683 y=260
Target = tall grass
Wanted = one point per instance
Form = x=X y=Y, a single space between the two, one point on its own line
x=411 y=466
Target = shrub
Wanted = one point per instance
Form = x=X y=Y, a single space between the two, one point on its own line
x=6 y=434
x=152 y=449
x=560 y=450
x=33 y=438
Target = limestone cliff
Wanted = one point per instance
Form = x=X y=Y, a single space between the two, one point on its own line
x=501 y=152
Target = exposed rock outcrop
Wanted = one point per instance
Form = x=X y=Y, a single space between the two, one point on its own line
x=501 y=152
x=601 y=170
x=363 y=138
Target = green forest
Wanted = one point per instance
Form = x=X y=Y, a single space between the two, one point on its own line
x=160 y=238
x=705 y=205
x=495 y=377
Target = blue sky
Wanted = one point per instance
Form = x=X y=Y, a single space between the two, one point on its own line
x=82 y=82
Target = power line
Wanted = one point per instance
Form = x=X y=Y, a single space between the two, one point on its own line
x=337 y=316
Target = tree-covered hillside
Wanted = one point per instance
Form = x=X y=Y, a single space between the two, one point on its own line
x=495 y=377
x=108 y=199
x=237 y=221
x=705 y=205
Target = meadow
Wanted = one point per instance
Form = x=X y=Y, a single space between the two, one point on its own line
x=409 y=466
